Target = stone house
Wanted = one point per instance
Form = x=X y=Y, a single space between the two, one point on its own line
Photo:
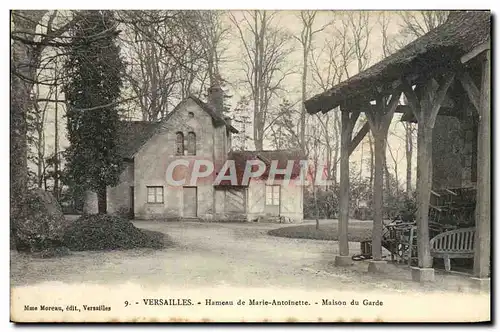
x=196 y=131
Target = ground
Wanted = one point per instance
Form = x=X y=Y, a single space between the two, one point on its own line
x=235 y=255
x=238 y=254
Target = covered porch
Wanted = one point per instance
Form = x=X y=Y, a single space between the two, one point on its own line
x=442 y=75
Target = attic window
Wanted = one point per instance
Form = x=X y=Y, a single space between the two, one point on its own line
x=191 y=114
x=179 y=144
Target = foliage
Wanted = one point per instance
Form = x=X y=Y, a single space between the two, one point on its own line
x=94 y=68
x=327 y=200
x=397 y=204
x=103 y=232
x=242 y=121
x=285 y=130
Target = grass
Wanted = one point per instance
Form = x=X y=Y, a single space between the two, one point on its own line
x=356 y=233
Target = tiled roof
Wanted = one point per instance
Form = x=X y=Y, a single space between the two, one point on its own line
x=267 y=156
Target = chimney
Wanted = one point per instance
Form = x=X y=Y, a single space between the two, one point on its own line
x=216 y=98
x=229 y=138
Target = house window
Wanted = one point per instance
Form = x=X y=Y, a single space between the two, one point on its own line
x=191 y=114
x=155 y=195
x=272 y=195
x=179 y=144
x=191 y=144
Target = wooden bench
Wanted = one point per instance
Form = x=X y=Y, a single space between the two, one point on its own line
x=458 y=243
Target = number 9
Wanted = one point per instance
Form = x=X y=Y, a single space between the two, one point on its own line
x=126 y=303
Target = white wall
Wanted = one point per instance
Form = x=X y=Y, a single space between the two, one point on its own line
x=291 y=200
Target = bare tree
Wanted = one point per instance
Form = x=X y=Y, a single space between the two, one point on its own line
x=32 y=31
x=36 y=121
x=417 y=23
x=163 y=56
x=329 y=66
x=359 y=30
x=388 y=48
x=265 y=50
x=213 y=33
x=307 y=34
x=151 y=73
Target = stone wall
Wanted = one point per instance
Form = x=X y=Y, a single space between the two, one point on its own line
x=453 y=152
x=447 y=150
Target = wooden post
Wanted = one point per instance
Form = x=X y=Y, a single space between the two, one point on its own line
x=380 y=121
x=425 y=111
x=347 y=122
x=378 y=200
x=424 y=178
x=483 y=234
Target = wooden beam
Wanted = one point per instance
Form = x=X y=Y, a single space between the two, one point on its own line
x=354 y=117
x=359 y=137
x=440 y=96
x=471 y=89
x=363 y=108
x=482 y=243
x=391 y=108
x=411 y=96
x=475 y=52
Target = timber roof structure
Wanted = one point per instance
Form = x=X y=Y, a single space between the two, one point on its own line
x=438 y=50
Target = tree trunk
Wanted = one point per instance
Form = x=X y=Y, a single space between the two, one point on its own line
x=40 y=156
x=378 y=191
x=101 y=201
x=25 y=60
x=56 y=144
x=316 y=206
x=424 y=155
x=303 y=107
x=370 y=141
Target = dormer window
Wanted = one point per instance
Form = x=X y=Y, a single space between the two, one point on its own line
x=179 y=144
x=191 y=144
x=191 y=114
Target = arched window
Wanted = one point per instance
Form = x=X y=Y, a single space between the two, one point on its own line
x=179 y=144
x=191 y=143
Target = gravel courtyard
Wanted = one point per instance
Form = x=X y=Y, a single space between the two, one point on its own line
x=226 y=261
x=236 y=254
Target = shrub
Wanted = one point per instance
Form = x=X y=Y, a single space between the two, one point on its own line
x=103 y=232
x=40 y=225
